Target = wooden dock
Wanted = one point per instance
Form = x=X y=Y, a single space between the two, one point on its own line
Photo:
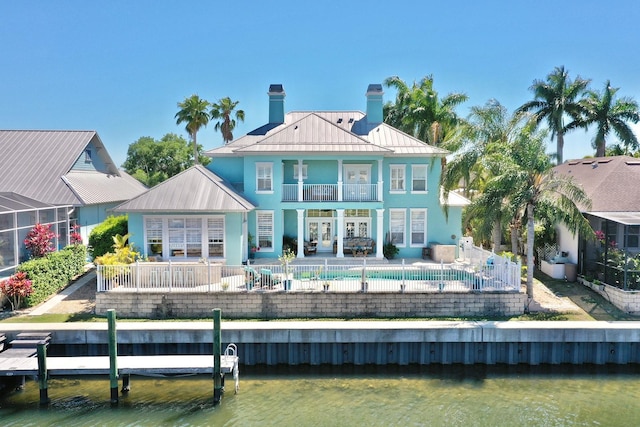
x=133 y=365
x=27 y=356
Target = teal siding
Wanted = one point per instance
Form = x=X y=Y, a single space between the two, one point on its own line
x=91 y=215
x=96 y=162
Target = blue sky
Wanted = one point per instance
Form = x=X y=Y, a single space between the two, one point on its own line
x=120 y=67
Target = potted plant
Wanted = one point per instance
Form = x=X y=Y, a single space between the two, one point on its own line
x=389 y=250
x=285 y=260
x=224 y=286
x=252 y=246
x=325 y=286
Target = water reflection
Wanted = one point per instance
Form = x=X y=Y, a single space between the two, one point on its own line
x=436 y=395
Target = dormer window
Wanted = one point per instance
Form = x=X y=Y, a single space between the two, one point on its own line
x=87 y=155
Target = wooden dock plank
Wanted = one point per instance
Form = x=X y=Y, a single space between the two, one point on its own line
x=99 y=365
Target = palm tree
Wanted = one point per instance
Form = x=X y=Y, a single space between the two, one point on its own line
x=610 y=114
x=486 y=130
x=554 y=99
x=193 y=112
x=419 y=112
x=525 y=173
x=223 y=109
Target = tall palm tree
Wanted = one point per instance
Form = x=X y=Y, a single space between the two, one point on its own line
x=419 y=111
x=193 y=112
x=486 y=131
x=609 y=114
x=525 y=173
x=554 y=99
x=223 y=109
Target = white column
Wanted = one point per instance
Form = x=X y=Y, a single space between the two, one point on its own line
x=379 y=234
x=380 y=181
x=300 y=181
x=339 y=180
x=300 y=233
x=340 y=227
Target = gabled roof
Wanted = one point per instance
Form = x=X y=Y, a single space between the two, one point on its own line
x=33 y=164
x=312 y=133
x=327 y=132
x=196 y=189
x=612 y=183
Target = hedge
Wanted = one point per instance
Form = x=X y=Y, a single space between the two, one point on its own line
x=53 y=272
x=101 y=237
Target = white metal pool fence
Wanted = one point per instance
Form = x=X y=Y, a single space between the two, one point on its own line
x=494 y=273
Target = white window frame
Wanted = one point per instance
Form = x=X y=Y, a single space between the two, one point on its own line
x=398 y=225
x=264 y=172
x=295 y=171
x=397 y=183
x=265 y=229
x=166 y=244
x=413 y=180
x=418 y=218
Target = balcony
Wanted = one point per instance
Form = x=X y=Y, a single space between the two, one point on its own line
x=330 y=193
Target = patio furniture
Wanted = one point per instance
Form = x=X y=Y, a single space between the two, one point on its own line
x=268 y=280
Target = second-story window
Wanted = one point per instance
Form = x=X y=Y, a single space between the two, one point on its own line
x=397 y=178
x=264 y=176
x=419 y=178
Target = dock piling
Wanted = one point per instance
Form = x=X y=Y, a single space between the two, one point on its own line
x=217 y=352
x=43 y=373
x=113 y=355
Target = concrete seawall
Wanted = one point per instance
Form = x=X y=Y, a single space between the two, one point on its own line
x=361 y=342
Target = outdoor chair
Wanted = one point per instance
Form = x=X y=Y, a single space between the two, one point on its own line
x=251 y=278
x=268 y=280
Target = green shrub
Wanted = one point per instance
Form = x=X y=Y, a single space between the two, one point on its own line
x=101 y=237
x=53 y=272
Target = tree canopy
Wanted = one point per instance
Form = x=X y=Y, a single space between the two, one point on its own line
x=556 y=99
x=152 y=161
x=611 y=115
x=193 y=112
x=224 y=110
x=419 y=111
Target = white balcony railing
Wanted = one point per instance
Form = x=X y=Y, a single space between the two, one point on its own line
x=330 y=193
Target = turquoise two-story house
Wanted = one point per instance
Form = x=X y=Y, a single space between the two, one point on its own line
x=320 y=179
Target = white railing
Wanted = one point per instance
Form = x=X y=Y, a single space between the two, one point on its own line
x=329 y=193
x=206 y=277
x=360 y=192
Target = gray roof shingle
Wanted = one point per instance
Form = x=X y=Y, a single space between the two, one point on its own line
x=612 y=183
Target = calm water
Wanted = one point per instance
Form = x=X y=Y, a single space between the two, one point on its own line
x=440 y=396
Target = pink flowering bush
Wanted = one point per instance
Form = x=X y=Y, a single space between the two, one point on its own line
x=39 y=240
x=75 y=237
x=16 y=288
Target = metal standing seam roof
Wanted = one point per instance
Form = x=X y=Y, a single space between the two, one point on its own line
x=336 y=132
x=196 y=189
x=95 y=187
x=33 y=164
